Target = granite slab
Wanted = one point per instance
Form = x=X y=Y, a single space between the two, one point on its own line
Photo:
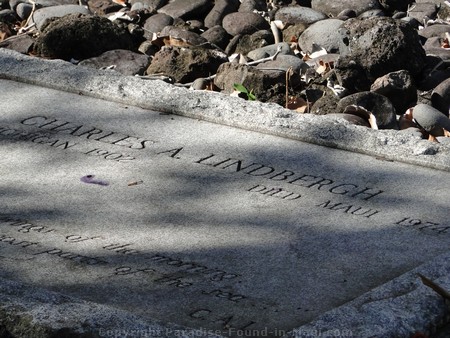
x=184 y=222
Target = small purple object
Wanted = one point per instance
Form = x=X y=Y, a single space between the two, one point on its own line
x=90 y=179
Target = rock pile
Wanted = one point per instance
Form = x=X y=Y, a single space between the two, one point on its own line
x=369 y=61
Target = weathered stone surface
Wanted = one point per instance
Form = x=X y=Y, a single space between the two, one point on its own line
x=80 y=37
x=374 y=47
x=244 y=23
x=377 y=104
x=186 y=64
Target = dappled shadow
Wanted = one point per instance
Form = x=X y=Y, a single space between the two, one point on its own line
x=202 y=240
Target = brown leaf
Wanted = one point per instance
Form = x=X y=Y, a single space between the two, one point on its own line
x=298 y=104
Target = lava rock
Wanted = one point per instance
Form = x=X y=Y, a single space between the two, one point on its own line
x=398 y=87
x=252 y=5
x=374 y=47
x=80 y=37
x=257 y=81
x=186 y=64
x=123 y=61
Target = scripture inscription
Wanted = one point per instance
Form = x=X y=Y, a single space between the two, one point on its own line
x=212 y=237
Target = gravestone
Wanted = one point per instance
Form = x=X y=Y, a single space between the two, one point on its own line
x=209 y=227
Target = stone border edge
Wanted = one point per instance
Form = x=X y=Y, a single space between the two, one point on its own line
x=401 y=307
x=403 y=146
x=27 y=311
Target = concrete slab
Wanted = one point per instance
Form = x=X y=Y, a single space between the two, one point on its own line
x=184 y=223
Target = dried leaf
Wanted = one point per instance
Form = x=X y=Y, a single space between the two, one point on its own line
x=446 y=133
x=132 y=183
x=298 y=104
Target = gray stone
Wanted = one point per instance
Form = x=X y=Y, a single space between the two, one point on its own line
x=437 y=30
x=293 y=15
x=270 y=50
x=431 y=119
x=423 y=11
x=244 y=23
x=371 y=13
x=186 y=9
x=440 y=97
x=284 y=62
x=377 y=104
x=217 y=36
x=324 y=33
x=43 y=14
x=156 y=23
x=24 y=10
x=335 y=7
x=180 y=228
x=123 y=61
x=153 y=4
x=252 y=5
x=219 y=11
